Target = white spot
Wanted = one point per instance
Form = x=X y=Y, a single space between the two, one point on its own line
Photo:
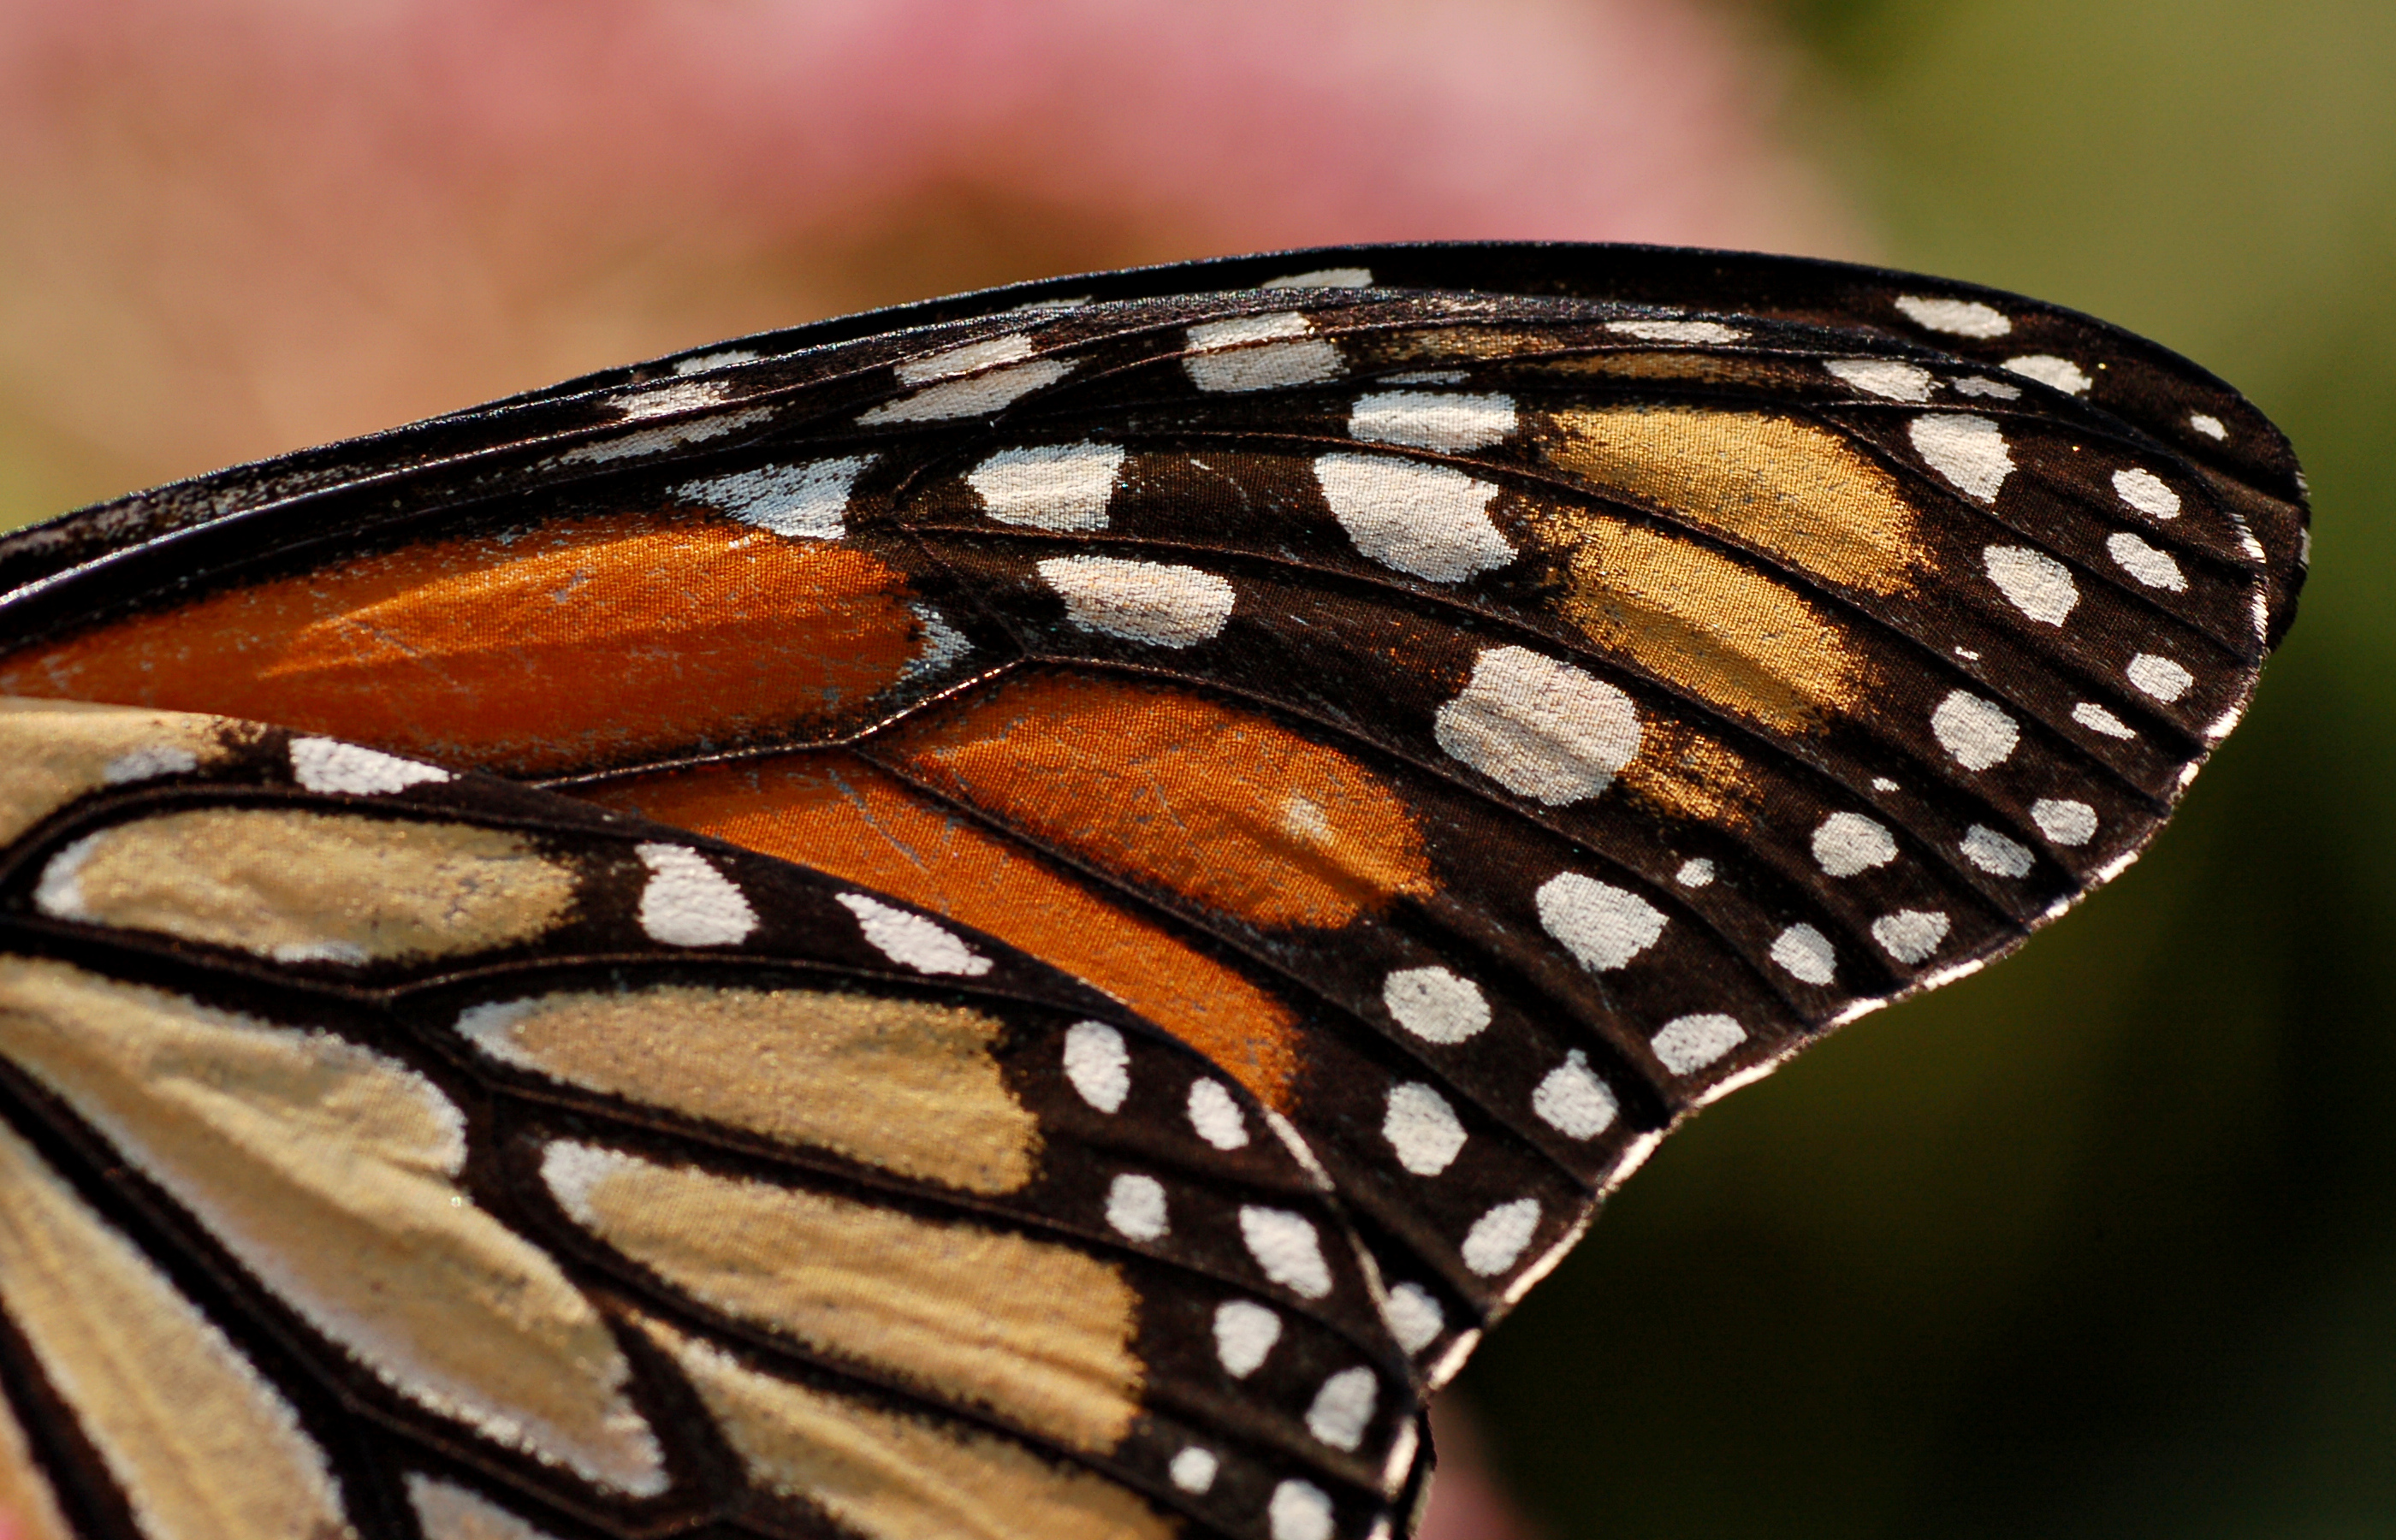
x=1992 y=852
x=722 y=359
x=688 y=903
x=1603 y=925
x=348 y=952
x=1431 y=419
x=1059 y=486
x=60 y=892
x=2146 y=492
x=2222 y=725
x=1135 y=1206
x=2098 y=720
x=1955 y=317
x=2065 y=822
x=1431 y=521
x=975 y=395
x=1245 y=1333
x=1882 y=783
x=657 y=441
x=1695 y=872
x=1540 y=728
x=1415 y=1317
x=807 y=503
x=1498 y=1237
x=2207 y=424
x=941 y=645
x=1251 y=352
x=1216 y=1116
x=1849 y=842
x=1298 y=1511
x=1343 y=1408
x=2047 y=370
x=1050 y=306
x=1806 y=954
x=634 y=405
x=1151 y=601
x=2039 y=586
x=1426 y=377
x=1996 y=390
x=1889 y=377
x=1969 y=655
x=905 y=937
x=1193 y=1469
x=2159 y=677
x=1286 y=1246
x=2259 y=607
x=1573 y=1101
x=2155 y=568
x=1910 y=935
x=1676 y=331
x=1349 y=277
x=322 y=764
x=1434 y=1005
x=1098 y=1064
x=1690 y=1042
x=1969 y=451
x=148 y=762
x=1421 y=1129
x=1974 y=731
x=970 y=358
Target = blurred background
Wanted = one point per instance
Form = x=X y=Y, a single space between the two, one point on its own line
x=2100 y=1243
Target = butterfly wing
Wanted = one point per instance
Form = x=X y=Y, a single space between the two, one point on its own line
x=1490 y=701
x=472 y=1152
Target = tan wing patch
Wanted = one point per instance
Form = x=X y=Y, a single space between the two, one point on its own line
x=1737 y=638
x=29 y=1508
x=1800 y=492
x=1036 y=1331
x=331 y=1172
x=840 y=815
x=447 y=1512
x=201 y=1446
x=901 y=1084
x=1224 y=806
x=52 y=751
x=893 y=1477
x=304 y=886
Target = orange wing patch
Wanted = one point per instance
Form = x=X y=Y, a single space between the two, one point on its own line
x=1226 y=808
x=836 y=813
x=586 y=644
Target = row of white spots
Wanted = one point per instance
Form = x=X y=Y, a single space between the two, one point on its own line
x=1437 y=1006
x=1157 y=602
x=1426 y=521
x=1452 y=422
x=912 y=940
x=1260 y=352
x=807 y=501
x=1540 y=728
x=973 y=380
x=1894 y=379
x=335 y=768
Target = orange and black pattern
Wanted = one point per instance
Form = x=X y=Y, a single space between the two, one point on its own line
x=1192 y=822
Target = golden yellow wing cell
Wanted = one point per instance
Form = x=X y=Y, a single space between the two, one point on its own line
x=1039 y=1333
x=835 y=812
x=582 y=643
x=899 y=1083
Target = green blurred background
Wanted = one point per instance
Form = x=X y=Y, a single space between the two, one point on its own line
x=2101 y=1242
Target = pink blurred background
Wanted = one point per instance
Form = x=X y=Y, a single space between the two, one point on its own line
x=239 y=229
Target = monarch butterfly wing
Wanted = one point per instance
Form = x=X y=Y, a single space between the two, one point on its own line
x=453 y=1148
x=1488 y=725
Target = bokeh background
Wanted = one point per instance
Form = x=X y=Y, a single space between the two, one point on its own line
x=2099 y=1242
